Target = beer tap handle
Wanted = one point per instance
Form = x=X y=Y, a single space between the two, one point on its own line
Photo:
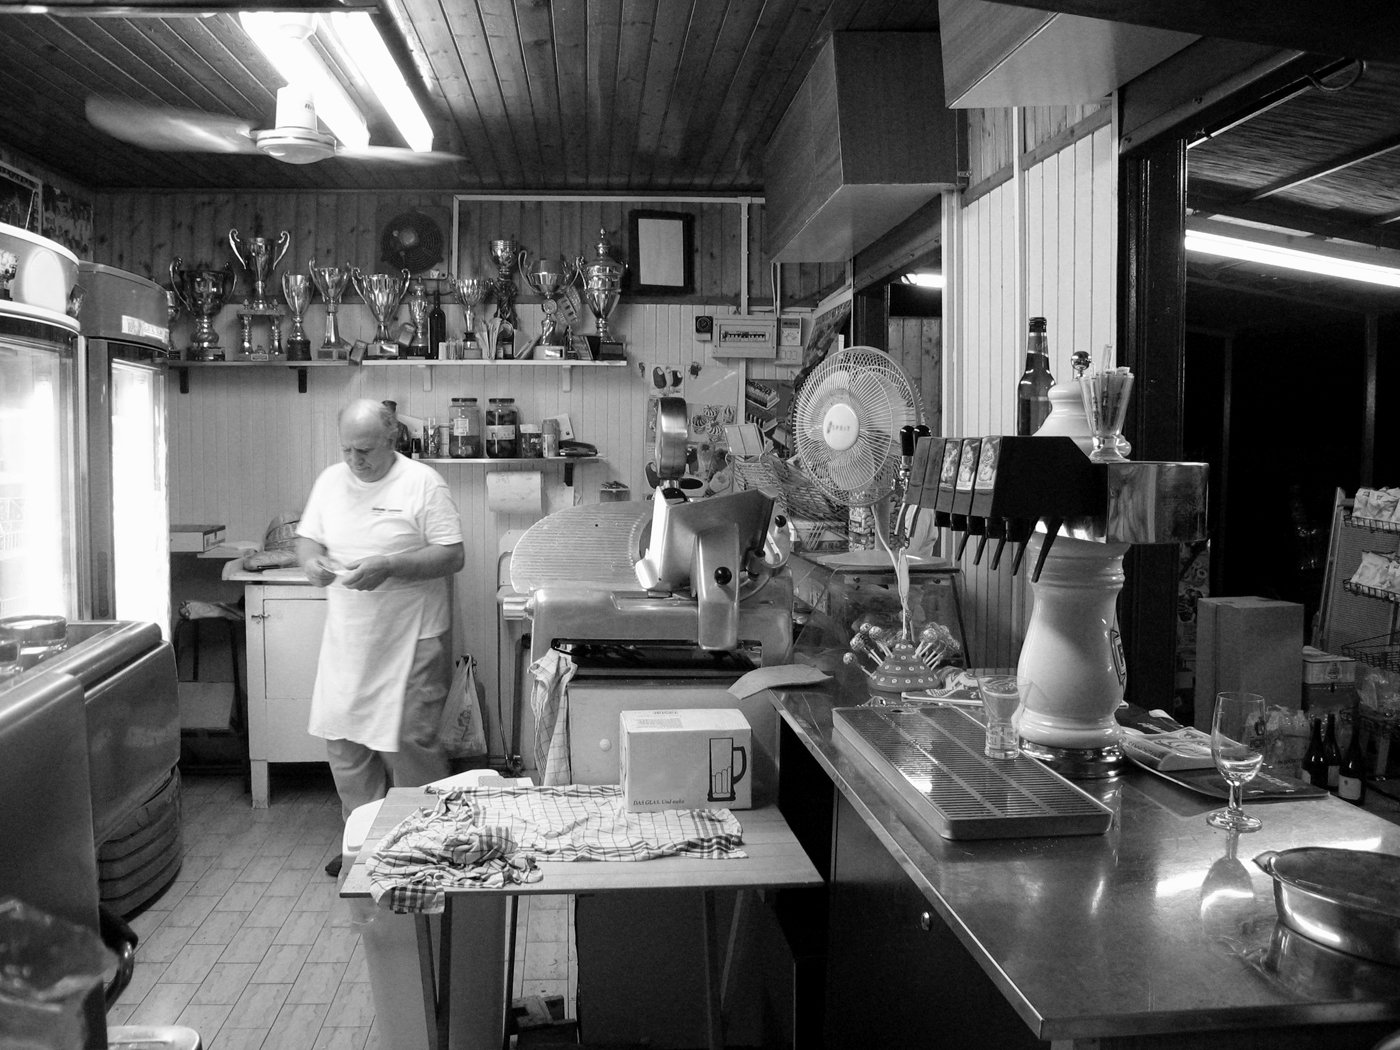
x=962 y=545
x=906 y=442
x=981 y=546
x=996 y=554
x=1052 y=527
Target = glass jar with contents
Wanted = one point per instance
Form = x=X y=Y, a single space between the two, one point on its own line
x=502 y=420
x=465 y=442
x=531 y=441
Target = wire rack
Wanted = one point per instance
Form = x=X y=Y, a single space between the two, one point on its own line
x=1382 y=651
x=1374 y=524
x=796 y=493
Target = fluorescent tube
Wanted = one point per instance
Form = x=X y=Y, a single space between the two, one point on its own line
x=360 y=38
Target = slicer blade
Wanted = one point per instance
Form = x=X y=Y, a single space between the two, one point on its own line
x=594 y=545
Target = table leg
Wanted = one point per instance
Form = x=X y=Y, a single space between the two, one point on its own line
x=436 y=974
x=258 y=774
x=513 y=916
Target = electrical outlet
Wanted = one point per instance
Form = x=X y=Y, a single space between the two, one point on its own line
x=566 y=429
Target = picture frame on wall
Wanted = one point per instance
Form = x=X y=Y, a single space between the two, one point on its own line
x=661 y=252
x=21 y=199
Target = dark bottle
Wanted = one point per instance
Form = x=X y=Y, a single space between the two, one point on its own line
x=403 y=442
x=437 y=327
x=1351 y=776
x=1332 y=751
x=1033 y=389
x=1314 y=759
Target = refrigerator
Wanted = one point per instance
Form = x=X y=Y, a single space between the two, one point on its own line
x=84 y=524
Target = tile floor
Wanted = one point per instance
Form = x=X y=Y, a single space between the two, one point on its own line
x=252 y=947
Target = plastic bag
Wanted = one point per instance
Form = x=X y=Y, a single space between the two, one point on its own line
x=463 y=729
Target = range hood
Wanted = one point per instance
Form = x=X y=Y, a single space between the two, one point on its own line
x=864 y=144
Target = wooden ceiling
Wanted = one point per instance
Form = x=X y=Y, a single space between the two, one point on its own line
x=585 y=95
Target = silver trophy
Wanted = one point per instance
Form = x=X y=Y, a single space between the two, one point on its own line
x=330 y=281
x=259 y=257
x=382 y=293
x=602 y=286
x=296 y=289
x=508 y=256
x=548 y=279
x=9 y=269
x=202 y=294
x=471 y=293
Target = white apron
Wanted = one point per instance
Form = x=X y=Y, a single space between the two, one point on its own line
x=366 y=654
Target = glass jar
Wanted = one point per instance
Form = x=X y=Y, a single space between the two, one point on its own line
x=466 y=429
x=531 y=441
x=502 y=436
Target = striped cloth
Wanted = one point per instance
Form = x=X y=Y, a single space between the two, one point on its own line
x=493 y=837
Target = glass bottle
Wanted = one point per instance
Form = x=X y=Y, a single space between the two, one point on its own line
x=1033 y=389
x=466 y=429
x=505 y=342
x=404 y=441
x=502 y=439
x=1314 y=759
x=1351 y=776
x=437 y=327
x=1332 y=751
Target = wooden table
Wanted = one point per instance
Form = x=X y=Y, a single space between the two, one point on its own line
x=775 y=860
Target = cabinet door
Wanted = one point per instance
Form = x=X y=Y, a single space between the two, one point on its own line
x=291 y=645
x=896 y=974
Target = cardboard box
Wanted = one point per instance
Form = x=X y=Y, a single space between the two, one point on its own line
x=1248 y=643
x=685 y=759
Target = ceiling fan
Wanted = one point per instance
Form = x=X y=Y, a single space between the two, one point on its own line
x=294 y=139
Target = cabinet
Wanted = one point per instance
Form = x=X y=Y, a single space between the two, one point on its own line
x=284 y=642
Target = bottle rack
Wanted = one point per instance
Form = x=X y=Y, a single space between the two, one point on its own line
x=1383 y=650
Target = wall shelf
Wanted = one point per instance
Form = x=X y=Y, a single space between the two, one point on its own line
x=426 y=366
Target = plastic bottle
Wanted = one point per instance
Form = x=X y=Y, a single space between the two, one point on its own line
x=1314 y=759
x=1351 y=776
x=1332 y=751
x=1033 y=389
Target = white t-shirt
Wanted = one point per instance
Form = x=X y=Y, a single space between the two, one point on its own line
x=409 y=507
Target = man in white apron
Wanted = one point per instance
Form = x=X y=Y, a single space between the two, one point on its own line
x=381 y=533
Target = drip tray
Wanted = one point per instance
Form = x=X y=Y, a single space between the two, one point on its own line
x=932 y=757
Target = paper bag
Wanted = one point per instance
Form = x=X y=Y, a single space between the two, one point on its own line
x=463 y=730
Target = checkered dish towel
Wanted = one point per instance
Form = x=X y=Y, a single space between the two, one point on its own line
x=490 y=837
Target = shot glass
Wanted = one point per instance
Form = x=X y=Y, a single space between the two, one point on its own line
x=1002 y=695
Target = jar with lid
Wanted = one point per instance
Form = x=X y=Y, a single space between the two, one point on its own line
x=466 y=429
x=531 y=441
x=502 y=420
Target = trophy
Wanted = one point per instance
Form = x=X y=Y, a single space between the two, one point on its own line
x=382 y=293
x=259 y=257
x=330 y=281
x=296 y=289
x=471 y=291
x=508 y=256
x=602 y=284
x=202 y=293
x=9 y=269
x=418 y=307
x=548 y=280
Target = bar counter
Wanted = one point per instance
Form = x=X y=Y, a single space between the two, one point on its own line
x=1112 y=940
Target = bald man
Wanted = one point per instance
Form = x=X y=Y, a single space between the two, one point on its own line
x=380 y=532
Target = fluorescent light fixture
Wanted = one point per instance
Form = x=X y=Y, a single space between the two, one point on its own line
x=360 y=38
x=924 y=279
x=1247 y=244
x=286 y=46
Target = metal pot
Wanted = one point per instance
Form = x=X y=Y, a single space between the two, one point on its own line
x=1345 y=899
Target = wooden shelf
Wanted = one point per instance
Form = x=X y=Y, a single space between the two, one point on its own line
x=183 y=367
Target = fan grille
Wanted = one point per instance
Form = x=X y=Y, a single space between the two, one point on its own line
x=866 y=384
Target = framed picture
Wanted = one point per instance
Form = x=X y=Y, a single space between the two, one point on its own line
x=661 y=256
x=21 y=199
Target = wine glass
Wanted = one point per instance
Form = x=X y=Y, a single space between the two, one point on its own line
x=1237 y=745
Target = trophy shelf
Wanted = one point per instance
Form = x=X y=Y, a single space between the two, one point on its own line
x=183 y=368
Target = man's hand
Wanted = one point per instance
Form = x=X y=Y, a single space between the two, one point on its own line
x=320 y=570
x=366 y=575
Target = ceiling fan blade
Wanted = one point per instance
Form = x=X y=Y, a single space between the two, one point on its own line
x=167 y=129
x=395 y=154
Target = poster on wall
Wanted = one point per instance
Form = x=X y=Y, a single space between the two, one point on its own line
x=19 y=199
x=768 y=405
x=68 y=220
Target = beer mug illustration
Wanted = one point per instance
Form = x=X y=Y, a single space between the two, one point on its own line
x=723 y=775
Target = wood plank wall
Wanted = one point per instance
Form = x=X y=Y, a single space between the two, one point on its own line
x=1036 y=241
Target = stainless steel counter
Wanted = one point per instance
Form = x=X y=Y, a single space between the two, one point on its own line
x=1117 y=936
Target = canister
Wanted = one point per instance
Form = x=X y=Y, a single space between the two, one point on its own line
x=531 y=441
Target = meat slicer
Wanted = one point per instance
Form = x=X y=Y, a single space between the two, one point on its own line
x=708 y=574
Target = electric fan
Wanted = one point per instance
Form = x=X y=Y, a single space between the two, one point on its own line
x=847 y=417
